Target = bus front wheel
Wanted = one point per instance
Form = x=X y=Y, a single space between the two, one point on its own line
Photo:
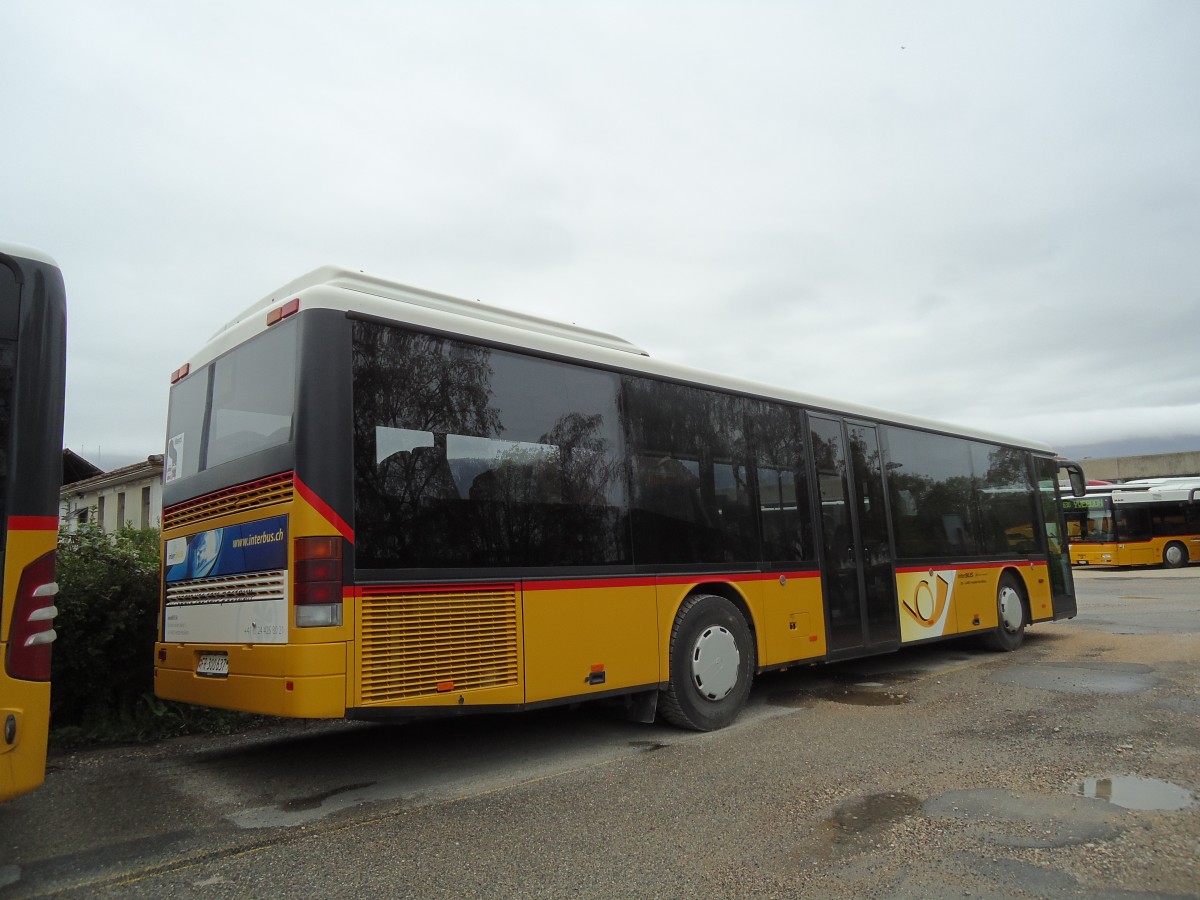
x=1175 y=555
x=712 y=664
x=1010 y=612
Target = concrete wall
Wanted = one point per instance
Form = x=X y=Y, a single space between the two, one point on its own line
x=1158 y=465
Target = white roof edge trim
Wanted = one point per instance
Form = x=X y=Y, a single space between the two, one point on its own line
x=24 y=252
x=556 y=340
x=1149 y=490
x=348 y=279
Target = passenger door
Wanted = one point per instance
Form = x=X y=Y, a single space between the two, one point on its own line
x=857 y=574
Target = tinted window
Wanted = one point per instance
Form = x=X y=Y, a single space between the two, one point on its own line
x=692 y=499
x=253 y=396
x=782 y=480
x=929 y=477
x=253 y=390
x=1008 y=521
x=954 y=498
x=185 y=426
x=467 y=456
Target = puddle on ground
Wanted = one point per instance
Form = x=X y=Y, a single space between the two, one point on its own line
x=856 y=825
x=1082 y=678
x=648 y=746
x=314 y=801
x=866 y=694
x=1131 y=792
x=872 y=813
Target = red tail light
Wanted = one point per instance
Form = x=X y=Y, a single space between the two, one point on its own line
x=32 y=633
x=318 y=581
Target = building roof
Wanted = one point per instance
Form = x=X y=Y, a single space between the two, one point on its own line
x=76 y=468
x=151 y=466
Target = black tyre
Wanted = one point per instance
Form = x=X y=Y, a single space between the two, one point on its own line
x=1010 y=614
x=712 y=664
x=1175 y=555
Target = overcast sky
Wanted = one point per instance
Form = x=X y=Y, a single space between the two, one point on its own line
x=986 y=213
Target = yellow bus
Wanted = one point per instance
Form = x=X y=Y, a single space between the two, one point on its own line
x=1148 y=522
x=381 y=501
x=32 y=384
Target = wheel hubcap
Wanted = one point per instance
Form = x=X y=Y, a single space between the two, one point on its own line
x=1011 y=612
x=1174 y=557
x=715 y=662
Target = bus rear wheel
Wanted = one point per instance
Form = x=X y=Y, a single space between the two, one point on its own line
x=712 y=664
x=1009 y=633
x=1175 y=555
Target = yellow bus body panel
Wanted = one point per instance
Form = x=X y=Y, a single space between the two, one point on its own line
x=1131 y=553
x=23 y=762
x=581 y=640
x=943 y=601
x=790 y=619
x=304 y=680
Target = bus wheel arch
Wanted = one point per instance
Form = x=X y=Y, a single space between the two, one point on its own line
x=712 y=662
x=1175 y=555
x=1012 y=614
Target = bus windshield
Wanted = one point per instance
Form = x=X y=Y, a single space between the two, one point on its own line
x=239 y=404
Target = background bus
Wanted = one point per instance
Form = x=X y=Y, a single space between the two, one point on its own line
x=32 y=384
x=380 y=501
x=1148 y=522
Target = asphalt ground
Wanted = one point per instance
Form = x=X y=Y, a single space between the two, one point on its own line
x=942 y=771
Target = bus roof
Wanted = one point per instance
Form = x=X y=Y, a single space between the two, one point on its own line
x=339 y=288
x=1157 y=490
x=20 y=250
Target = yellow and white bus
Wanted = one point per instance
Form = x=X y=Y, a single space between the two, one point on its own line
x=1148 y=522
x=381 y=501
x=32 y=385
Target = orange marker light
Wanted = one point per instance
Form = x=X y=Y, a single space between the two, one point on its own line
x=282 y=312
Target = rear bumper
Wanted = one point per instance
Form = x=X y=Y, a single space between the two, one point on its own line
x=300 y=681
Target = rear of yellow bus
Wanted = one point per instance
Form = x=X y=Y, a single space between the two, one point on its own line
x=256 y=500
x=32 y=385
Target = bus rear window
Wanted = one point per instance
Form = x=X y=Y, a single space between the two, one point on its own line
x=238 y=405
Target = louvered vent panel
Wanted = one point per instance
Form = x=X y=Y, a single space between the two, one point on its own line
x=413 y=642
x=252 y=495
x=256 y=586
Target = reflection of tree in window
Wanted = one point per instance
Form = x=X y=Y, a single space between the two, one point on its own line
x=786 y=519
x=692 y=498
x=436 y=483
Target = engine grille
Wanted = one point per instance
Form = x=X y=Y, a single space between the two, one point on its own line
x=414 y=641
x=229 y=588
x=252 y=495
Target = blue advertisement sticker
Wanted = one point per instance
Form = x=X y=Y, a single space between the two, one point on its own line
x=234 y=550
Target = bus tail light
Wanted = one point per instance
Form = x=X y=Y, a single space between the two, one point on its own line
x=318 y=570
x=33 y=631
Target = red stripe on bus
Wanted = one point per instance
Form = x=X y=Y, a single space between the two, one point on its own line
x=33 y=523
x=371 y=590
x=901 y=570
x=325 y=510
x=567 y=584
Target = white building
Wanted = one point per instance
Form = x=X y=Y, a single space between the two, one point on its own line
x=131 y=495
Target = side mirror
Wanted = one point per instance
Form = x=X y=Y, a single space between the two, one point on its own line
x=1075 y=475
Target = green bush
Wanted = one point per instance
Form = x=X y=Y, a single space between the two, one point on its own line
x=102 y=666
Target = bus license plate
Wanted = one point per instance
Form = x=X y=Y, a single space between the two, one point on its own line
x=213 y=665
